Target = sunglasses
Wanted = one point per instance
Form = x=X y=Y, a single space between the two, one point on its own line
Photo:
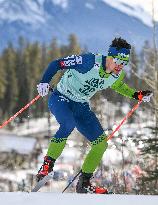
x=119 y=61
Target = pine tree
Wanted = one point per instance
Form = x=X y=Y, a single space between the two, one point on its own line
x=41 y=105
x=54 y=53
x=64 y=51
x=33 y=72
x=134 y=63
x=11 y=90
x=73 y=47
x=2 y=85
x=54 y=50
x=2 y=79
x=21 y=73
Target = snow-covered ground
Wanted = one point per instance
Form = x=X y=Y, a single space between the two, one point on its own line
x=77 y=199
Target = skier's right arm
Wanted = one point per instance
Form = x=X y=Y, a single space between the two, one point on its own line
x=81 y=63
x=50 y=71
x=43 y=87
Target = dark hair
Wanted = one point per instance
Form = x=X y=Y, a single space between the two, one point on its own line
x=120 y=43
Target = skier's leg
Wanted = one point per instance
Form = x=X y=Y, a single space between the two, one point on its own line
x=88 y=124
x=61 y=110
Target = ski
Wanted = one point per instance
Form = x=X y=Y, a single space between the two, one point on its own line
x=42 y=182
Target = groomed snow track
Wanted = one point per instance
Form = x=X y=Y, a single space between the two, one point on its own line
x=40 y=198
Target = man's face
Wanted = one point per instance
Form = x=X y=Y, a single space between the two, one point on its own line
x=115 y=64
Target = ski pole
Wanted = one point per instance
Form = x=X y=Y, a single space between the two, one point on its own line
x=20 y=111
x=124 y=119
x=110 y=136
x=71 y=181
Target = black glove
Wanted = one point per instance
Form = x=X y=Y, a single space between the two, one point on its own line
x=140 y=94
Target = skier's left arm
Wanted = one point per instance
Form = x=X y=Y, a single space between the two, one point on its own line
x=122 y=88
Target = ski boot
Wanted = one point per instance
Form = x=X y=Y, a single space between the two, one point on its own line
x=46 y=168
x=84 y=185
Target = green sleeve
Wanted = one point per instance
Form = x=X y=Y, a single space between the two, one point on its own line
x=122 y=88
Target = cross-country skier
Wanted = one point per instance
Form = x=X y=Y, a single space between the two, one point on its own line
x=69 y=103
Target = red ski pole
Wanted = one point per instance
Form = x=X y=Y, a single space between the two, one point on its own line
x=20 y=111
x=124 y=119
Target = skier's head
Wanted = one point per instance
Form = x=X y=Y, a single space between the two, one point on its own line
x=118 y=55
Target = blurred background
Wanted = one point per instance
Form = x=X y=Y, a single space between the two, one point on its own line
x=35 y=32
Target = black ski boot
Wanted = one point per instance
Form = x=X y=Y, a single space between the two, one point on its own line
x=84 y=185
x=46 y=168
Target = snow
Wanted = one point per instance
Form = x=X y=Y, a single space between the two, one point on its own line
x=62 y=3
x=33 y=11
x=77 y=199
x=16 y=175
x=35 y=126
x=27 y=11
x=141 y=9
x=22 y=145
x=89 y=6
